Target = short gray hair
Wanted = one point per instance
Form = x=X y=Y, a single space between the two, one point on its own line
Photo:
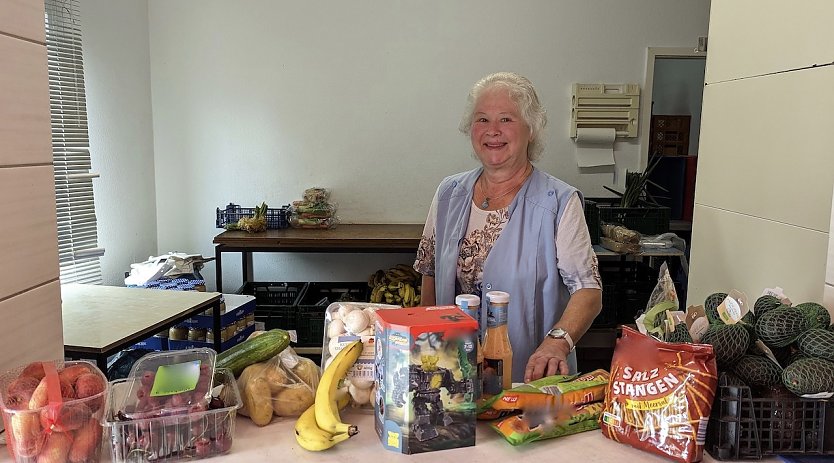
x=523 y=94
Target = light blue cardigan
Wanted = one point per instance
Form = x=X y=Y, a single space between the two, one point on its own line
x=522 y=262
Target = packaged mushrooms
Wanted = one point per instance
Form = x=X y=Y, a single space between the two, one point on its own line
x=346 y=322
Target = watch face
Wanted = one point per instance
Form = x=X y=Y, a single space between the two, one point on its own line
x=556 y=333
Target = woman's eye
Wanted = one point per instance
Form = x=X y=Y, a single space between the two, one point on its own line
x=480 y=119
x=506 y=119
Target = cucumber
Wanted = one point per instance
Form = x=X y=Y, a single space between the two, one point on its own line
x=257 y=349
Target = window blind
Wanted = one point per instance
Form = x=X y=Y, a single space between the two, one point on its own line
x=78 y=249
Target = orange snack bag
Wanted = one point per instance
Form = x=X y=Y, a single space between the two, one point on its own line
x=551 y=392
x=660 y=395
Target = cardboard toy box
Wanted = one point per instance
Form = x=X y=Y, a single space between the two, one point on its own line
x=425 y=361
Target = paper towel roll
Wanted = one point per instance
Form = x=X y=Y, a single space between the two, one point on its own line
x=595 y=147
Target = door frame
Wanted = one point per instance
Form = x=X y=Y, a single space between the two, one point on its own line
x=652 y=53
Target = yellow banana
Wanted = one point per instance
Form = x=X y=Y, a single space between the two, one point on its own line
x=310 y=437
x=411 y=293
x=326 y=406
x=379 y=277
x=376 y=293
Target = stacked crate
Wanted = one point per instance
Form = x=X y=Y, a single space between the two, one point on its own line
x=300 y=307
x=237 y=320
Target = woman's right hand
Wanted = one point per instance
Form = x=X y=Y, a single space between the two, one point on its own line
x=427 y=294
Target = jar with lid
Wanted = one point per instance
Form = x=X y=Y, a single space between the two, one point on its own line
x=197 y=334
x=178 y=333
x=498 y=352
x=470 y=304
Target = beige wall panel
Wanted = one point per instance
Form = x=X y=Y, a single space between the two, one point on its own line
x=29 y=247
x=828 y=299
x=32 y=328
x=765 y=147
x=731 y=250
x=829 y=269
x=755 y=37
x=23 y=18
x=25 y=134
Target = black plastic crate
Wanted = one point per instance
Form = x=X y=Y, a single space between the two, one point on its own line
x=746 y=425
x=310 y=325
x=274 y=293
x=277 y=316
x=276 y=218
x=646 y=220
x=608 y=315
x=325 y=293
x=592 y=220
x=626 y=271
x=315 y=300
x=626 y=289
x=275 y=303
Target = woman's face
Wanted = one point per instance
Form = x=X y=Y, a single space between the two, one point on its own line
x=499 y=134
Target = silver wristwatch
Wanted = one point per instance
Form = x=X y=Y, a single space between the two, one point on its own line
x=559 y=333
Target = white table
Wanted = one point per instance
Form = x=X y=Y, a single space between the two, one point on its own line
x=99 y=320
x=276 y=442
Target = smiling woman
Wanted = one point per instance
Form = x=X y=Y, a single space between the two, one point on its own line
x=510 y=227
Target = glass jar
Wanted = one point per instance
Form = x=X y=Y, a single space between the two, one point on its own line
x=197 y=334
x=178 y=333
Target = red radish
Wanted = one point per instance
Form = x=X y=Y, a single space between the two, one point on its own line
x=85 y=447
x=56 y=448
x=35 y=370
x=70 y=373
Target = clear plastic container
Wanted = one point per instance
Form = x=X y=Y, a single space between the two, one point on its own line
x=169 y=383
x=345 y=322
x=195 y=434
x=67 y=429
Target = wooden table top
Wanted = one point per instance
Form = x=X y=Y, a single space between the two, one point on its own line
x=404 y=237
x=97 y=318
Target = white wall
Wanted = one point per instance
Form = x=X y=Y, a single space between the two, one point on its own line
x=765 y=170
x=117 y=77
x=255 y=101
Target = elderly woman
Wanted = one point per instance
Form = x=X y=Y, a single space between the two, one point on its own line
x=510 y=227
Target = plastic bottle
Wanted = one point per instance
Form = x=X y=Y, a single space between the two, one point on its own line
x=471 y=305
x=498 y=353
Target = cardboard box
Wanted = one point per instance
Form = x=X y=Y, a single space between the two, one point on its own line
x=425 y=362
x=237 y=307
x=153 y=343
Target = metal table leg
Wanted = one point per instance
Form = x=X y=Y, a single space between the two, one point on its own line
x=218 y=335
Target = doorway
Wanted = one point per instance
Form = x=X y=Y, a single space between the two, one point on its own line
x=670 y=128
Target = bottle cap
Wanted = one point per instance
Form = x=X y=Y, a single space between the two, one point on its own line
x=498 y=297
x=466 y=301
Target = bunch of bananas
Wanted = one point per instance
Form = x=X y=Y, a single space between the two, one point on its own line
x=397 y=285
x=320 y=426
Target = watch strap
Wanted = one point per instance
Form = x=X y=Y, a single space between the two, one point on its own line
x=563 y=334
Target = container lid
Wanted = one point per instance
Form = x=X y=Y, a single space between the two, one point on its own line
x=464 y=301
x=167 y=383
x=498 y=297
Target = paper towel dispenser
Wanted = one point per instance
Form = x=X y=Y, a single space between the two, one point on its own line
x=606 y=106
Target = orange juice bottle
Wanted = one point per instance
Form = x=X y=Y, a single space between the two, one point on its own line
x=471 y=305
x=498 y=353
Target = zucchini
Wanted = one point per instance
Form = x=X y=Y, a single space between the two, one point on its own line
x=253 y=350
